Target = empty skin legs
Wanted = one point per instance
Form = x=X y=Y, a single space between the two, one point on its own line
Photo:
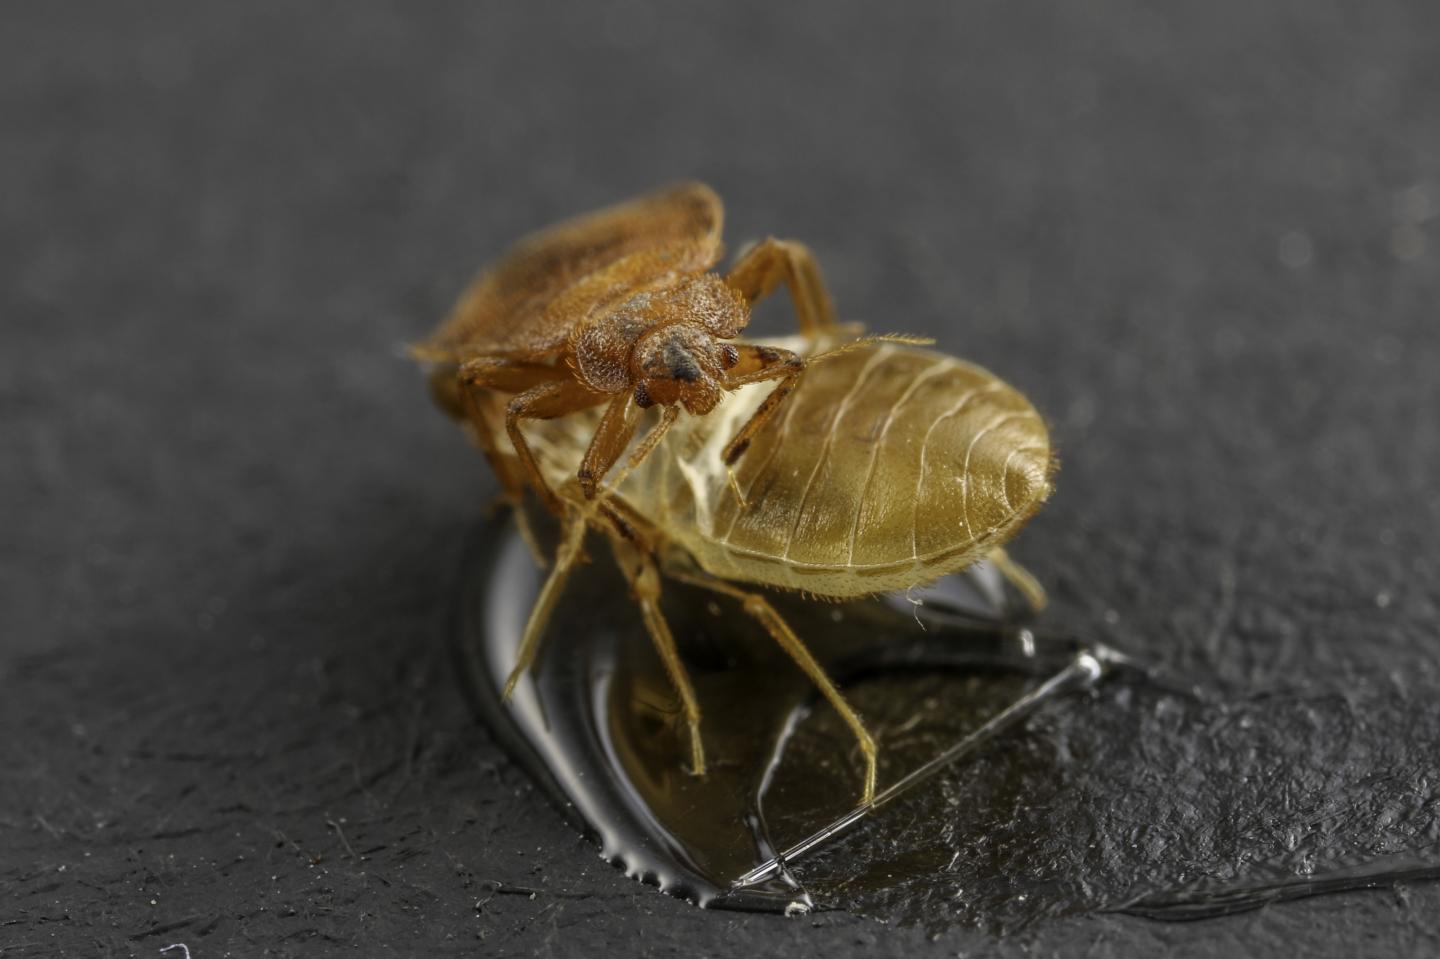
x=572 y=538
x=1019 y=577
x=762 y=611
x=643 y=575
x=644 y=578
x=637 y=563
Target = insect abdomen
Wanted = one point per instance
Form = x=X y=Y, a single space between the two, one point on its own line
x=890 y=466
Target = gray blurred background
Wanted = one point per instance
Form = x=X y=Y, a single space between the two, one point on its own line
x=1205 y=240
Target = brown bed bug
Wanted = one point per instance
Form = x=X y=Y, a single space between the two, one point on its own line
x=620 y=309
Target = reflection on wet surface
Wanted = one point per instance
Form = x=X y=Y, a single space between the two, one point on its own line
x=1135 y=796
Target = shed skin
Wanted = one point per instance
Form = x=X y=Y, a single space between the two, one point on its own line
x=888 y=467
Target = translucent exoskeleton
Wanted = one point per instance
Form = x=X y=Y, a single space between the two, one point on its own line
x=887 y=467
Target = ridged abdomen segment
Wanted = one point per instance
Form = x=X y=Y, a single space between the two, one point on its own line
x=890 y=465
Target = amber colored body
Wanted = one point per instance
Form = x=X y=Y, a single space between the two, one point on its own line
x=888 y=467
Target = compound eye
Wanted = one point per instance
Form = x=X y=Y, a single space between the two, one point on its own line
x=642 y=396
x=729 y=356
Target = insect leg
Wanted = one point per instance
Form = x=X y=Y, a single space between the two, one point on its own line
x=1021 y=578
x=647 y=445
x=644 y=577
x=462 y=394
x=771 y=262
x=614 y=433
x=616 y=430
x=473 y=381
x=572 y=537
x=757 y=364
x=760 y=609
x=512 y=482
x=543 y=402
x=466 y=392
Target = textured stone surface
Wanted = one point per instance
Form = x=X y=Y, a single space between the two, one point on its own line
x=1207 y=245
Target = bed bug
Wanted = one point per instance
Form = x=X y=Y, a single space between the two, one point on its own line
x=888 y=467
x=619 y=309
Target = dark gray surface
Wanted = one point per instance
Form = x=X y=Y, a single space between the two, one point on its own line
x=1206 y=245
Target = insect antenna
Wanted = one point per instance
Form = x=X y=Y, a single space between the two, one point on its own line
x=906 y=339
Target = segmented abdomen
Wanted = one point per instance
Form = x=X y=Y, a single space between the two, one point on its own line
x=888 y=466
